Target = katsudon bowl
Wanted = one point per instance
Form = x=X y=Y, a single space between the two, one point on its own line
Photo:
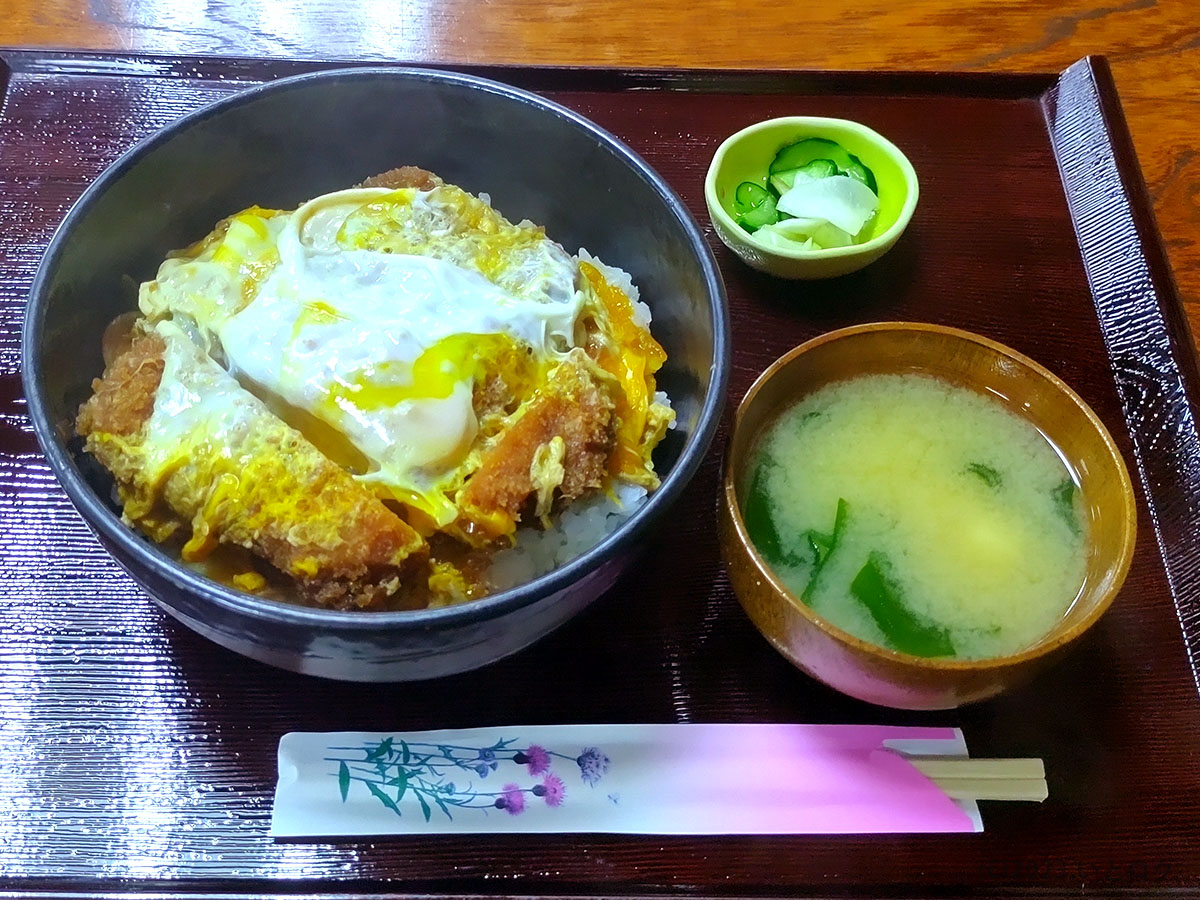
x=282 y=143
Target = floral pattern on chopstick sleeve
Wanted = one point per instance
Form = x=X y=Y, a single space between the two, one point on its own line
x=393 y=770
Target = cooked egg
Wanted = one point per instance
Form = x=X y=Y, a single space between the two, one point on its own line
x=195 y=401
x=376 y=312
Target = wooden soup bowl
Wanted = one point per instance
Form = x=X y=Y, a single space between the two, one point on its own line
x=877 y=674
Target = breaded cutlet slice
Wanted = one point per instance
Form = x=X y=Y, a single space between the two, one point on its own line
x=559 y=446
x=191 y=449
x=403 y=177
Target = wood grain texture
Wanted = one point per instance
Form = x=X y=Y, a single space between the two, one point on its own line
x=1153 y=46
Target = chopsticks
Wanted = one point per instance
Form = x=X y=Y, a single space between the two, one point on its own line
x=985 y=779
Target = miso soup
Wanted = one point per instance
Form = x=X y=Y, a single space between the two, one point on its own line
x=918 y=515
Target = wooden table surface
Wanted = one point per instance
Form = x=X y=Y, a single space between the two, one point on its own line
x=1152 y=45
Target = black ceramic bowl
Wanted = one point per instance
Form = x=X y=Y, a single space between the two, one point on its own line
x=282 y=143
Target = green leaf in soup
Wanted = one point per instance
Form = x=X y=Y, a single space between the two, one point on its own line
x=820 y=545
x=343 y=780
x=985 y=473
x=823 y=545
x=760 y=524
x=1064 y=503
x=904 y=630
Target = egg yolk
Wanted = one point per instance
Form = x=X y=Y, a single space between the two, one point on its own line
x=433 y=375
x=633 y=357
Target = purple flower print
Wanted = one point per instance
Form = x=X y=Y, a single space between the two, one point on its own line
x=552 y=790
x=512 y=800
x=535 y=757
x=395 y=770
x=592 y=765
x=487 y=762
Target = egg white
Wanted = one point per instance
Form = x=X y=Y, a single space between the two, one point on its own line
x=338 y=332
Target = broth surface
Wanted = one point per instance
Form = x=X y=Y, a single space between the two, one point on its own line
x=918 y=515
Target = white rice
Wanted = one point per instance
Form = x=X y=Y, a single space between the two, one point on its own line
x=620 y=278
x=585 y=522
x=641 y=312
x=578 y=528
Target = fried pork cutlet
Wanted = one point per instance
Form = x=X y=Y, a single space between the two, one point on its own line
x=559 y=446
x=203 y=463
x=403 y=177
x=252 y=481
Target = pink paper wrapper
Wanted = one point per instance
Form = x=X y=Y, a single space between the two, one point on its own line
x=624 y=779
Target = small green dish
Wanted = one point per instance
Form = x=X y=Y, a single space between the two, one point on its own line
x=745 y=156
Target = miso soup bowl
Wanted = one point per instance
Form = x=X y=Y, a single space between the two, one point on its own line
x=877 y=674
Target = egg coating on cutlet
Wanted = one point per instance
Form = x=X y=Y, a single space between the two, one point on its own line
x=191 y=450
x=462 y=372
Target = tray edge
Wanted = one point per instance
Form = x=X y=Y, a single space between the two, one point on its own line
x=1094 y=148
x=995 y=85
